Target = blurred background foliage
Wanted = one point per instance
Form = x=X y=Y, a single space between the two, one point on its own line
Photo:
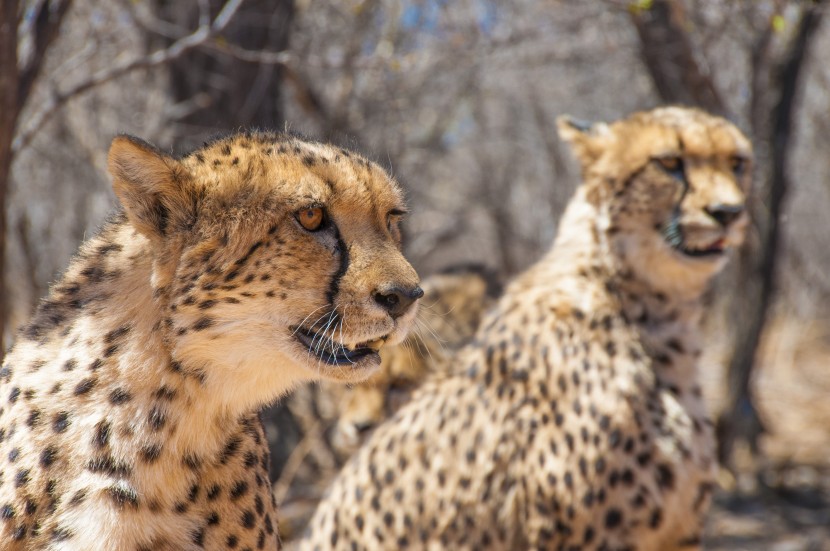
x=458 y=100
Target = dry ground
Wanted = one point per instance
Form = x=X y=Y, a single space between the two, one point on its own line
x=781 y=502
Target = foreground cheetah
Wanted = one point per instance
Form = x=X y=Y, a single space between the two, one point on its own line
x=129 y=401
x=574 y=419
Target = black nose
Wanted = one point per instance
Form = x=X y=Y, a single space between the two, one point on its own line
x=362 y=427
x=725 y=214
x=397 y=300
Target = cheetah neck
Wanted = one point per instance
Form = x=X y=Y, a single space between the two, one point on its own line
x=580 y=272
x=105 y=327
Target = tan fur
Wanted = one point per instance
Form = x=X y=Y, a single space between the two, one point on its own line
x=129 y=402
x=574 y=419
x=451 y=309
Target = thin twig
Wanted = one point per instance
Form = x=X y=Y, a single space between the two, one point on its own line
x=199 y=37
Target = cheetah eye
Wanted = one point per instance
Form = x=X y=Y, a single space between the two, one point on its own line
x=738 y=165
x=311 y=218
x=393 y=218
x=672 y=165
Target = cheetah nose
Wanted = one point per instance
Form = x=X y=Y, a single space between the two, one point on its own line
x=725 y=214
x=397 y=300
x=362 y=427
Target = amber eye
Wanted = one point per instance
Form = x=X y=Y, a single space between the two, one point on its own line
x=393 y=220
x=671 y=164
x=738 y=165
x=311 y=218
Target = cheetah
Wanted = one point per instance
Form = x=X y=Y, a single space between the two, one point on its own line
x=454 y=301
x=574 y=419
x=128 y=417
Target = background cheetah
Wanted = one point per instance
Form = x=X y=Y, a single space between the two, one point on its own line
x=574 y=419
x=129 y=402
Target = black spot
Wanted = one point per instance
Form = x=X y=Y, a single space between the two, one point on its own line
x=214 y=492
x=198 y=537
x=213 y=518
x=34 y=417
x=165 y=393
x=232 y=541
x=192 y=462
x=78 y=498
x=665 y=477
x=109 y=465
x=239 y=489
x=151 y=453
x=60 y=422
x=230 y=449
x=13 y=395
x=656 y=518
x=21 y=478
x=13 y=454
x=116 y=334
x=62 y=534
x=614 y=438
x=248 y=519
x=85 y=386
x=70 y=364
x=613 y=518
x=19 y=532
x=102 y=434
x=7 y=511
x=156 y=419
x=123 y=495
x=47 y=456
x=119 y=396
x=203 y=323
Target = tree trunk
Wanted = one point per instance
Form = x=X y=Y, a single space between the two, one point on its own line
x=226 y=93
x=775 y=91
x=9 y=112
x=668 y=53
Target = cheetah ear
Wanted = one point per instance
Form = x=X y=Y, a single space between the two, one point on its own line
x=151 y=186
x=587 y=140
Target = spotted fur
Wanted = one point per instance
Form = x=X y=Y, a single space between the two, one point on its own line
x=128 y=404
x=574 y=420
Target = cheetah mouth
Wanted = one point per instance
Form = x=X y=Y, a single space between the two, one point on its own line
x=333 y=352
x=714 y=249
x=673 y=235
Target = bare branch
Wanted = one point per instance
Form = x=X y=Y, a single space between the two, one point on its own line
x=47 y=22
x=199 y=37
x=253 y=56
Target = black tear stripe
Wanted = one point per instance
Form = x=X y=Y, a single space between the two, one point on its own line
x=334 y=286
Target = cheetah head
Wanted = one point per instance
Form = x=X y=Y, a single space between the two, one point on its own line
x=670 y=185
x=275 y=260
